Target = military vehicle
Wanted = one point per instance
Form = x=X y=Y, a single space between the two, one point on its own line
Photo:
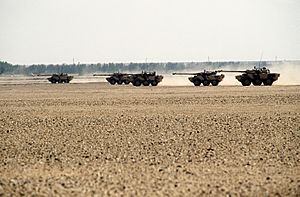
x=60 y=78
x=256 y=76
x=55 y=78
x=144 y=78
x=205 y=78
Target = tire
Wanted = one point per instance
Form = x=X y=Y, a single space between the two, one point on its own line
x=197 y=82
x=154 y=83
x=206 y=83
x=112 y=82
x=146 y=83
x=246 y=82
x=137 y=83
x=257 y=82
x=214 y=83
x=67 y=81
x=268 y=82
x=119 y=82
x=126 y=82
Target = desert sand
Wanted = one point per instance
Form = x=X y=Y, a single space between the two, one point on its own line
x=95 y=139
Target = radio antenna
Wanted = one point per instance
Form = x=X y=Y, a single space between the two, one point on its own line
x=261 y=55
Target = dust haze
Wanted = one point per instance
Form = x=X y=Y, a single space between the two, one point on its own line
x=289 y=74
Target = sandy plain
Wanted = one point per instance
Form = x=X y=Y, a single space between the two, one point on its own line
x=94 y=139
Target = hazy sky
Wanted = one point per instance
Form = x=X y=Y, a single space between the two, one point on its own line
x=56 y=31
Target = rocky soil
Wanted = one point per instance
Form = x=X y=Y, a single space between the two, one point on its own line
x=99 y=140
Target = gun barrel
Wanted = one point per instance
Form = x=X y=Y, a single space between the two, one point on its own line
x=231 y=71
x=102 y=74
x=184 y=73
x=41 y=74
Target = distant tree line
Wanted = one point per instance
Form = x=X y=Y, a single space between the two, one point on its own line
x=82 y=69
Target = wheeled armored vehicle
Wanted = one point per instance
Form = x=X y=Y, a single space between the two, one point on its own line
x=144 y=78
x=256 y=76
x=60 y=78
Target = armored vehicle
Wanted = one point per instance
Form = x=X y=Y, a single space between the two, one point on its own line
x=144 y=78
x=55 y=78
x=60 y=78
x=205 y=78
x=256 y=76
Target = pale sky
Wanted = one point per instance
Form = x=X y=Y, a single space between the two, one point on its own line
x=92 y=31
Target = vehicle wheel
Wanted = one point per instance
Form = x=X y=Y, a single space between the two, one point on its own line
x=154 y=83
x=197 y=82
x=112 y=82
x=206 y=83
x=146 y=83
x=53 y=81
x=268 y=82
x=214 y=83
x=137 y=83
x=246 y=82
x=67 y=81
x=257 y=82
x=126 y=82
x=119 y=82
x=60 y=81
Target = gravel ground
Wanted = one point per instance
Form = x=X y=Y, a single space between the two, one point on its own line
x=99 y=140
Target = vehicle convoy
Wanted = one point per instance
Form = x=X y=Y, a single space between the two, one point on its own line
x=144 y=78
x=256 y=76
x=205 y=78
